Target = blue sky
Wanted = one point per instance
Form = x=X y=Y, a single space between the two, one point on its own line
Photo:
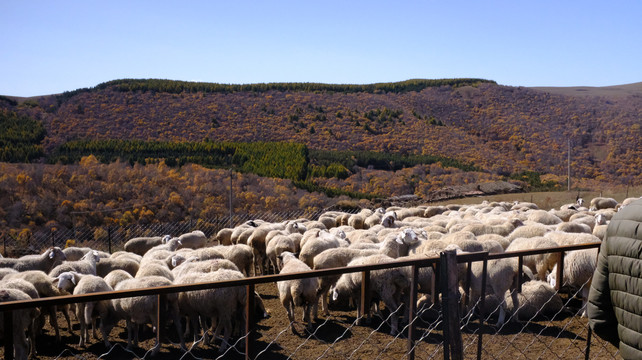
x=54 y=46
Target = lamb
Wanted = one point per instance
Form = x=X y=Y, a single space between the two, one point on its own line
x=219 y=304
x=193 y=240
x=386 y=284
x=598 y=203
x=297 y=292
x=44 y=262
x=140 y=245
x=86 y=265
x=21 y=321
x=334 y=258
x=579 y=266
x=142 y=309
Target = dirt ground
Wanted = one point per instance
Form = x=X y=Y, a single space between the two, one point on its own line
x=337 y=337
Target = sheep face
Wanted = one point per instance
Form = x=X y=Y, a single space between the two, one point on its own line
x=66 y=281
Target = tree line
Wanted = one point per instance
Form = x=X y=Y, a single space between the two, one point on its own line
x=20 y=137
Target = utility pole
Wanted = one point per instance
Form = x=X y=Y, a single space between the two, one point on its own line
x=569 y=165
x=231 y=211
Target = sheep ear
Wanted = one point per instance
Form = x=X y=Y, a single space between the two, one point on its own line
x=335 y=294
x=51 y=254
x=56 y=279
x=73 y=279
x=173 y=262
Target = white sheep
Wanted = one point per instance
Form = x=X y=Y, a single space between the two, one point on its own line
x=116 y=276
x=155 y=269
x=598 y=203
x=44 y=284
x=29 y=289
x=240 y=254
x=539 y=264
x=142 y=309
x=573 y=227
x=276 y=246
x=297 y=292
x=125 y=263
x=86 y=265
x=316 y=245
x=220 y=304
x=501 y=276
x=224 y=236
x=22 y=319
x=537 y=299
x=140 y=245
x=202 y=267
x=579 y=266
x=386 y=285
x=44 y=262
x=193 y=240
x=504 y=229
x=335 y=258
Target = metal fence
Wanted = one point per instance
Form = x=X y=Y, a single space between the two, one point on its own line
x=113 y=237
x=443 y=327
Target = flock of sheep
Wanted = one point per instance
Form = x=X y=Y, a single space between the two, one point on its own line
x=336 y=239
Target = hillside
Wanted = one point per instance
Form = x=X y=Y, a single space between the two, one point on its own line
x=502 y=130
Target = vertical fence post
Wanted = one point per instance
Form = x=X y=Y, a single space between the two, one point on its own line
x=8 y=335
x=364 y=302
x=412 y=312
x=520 y=280
x=560 y=272
x=453 y=346
x=249 y=321
x=161 y=302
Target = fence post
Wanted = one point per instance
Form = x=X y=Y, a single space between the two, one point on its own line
x=8 y=335
x=450 y=308
x=249 y=321
x=412 y=312
x=364 y=302
x=560 y=272
x=482 y=304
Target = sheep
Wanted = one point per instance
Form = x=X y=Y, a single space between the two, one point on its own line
x=537 y=298
x=598 y=203
x=203 y=267
x=220 y=303
x=334 y=258
x=87 y=312
x=125 y=254
x=562 y=238
x=573 y=227
x=243 y=231
x=44 y=284
x=579 y=266
x=86 y=265
x=276 y=246
x=386 y=284
x=316 y=245
x=539 y=264
x=503 y=230
x=74 y=253
x=494 y=238
x=22 y=319
x=141 y=309
x=193 y=240
x=6 y=271
x=156 y=269
x=29 y=289
x=501 y=276
x=125 y=263
x=44 y=262
x=543 y=217
x=527 y=231
x=140 y=245
x=297 y=292
x=116 y=276
x=224 y=236
x=599 y=230
x=357 y=236
x=240 y=254
x=374 y=218
x=388 y=219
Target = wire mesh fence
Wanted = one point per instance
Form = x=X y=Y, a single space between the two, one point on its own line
x=540 y=326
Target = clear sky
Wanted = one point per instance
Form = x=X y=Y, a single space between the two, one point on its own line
x=54 y=46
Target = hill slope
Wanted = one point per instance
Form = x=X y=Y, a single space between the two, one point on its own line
x=500 y=129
